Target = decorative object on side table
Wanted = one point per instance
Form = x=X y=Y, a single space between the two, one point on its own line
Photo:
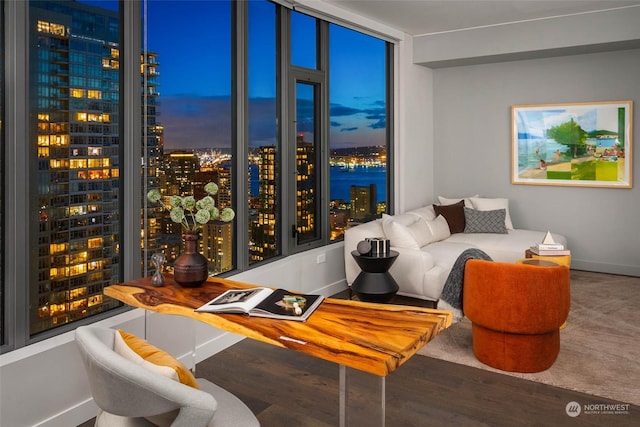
x=379 y=245
x=190 y=269
x=364 y=247
x=158 y=259
x=549 y=250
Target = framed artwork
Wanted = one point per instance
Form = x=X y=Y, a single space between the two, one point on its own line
x=579 y=144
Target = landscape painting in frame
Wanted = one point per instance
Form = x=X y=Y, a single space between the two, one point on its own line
x=582 y=144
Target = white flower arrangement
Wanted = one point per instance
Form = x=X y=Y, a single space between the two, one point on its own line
x=190 y=213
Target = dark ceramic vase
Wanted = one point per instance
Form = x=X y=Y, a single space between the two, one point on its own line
x=190 y=269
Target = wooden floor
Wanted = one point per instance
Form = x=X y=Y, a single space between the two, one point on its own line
x=285 y=388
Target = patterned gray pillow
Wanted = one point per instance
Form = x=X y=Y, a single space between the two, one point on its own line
x=485 y=221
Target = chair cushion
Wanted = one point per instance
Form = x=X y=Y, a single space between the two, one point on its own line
x=144 y=354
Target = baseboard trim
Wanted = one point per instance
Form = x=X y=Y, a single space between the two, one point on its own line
x=624 y=270
x=72 y=416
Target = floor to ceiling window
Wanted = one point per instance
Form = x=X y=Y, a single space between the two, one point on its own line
x=264 y=215
x=269 y=103
x=306 y=134
x=187 y=128
x=358 y=135
x=74 y=156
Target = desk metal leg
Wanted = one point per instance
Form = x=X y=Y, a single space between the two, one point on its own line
x=194 y=347
x=362 y=398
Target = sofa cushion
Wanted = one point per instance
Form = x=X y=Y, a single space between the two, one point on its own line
x=485 y=221
x=449 y=201
x=486 y=204
x=439 y=229
x=404 y=218
x=454 y=214
x=398 y=234
x=421 y=232
x=426 y=213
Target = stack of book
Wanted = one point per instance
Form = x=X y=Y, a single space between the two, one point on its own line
x=548 y=247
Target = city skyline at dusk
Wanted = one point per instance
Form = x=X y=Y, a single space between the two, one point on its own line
x=195 y=84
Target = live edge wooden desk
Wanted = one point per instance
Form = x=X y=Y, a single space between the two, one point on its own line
x=368 y=337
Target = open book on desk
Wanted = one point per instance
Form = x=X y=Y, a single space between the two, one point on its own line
x=264 y=302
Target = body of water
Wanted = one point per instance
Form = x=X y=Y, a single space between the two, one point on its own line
x=342 y=179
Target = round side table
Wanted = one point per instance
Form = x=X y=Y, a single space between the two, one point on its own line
x=375 y=283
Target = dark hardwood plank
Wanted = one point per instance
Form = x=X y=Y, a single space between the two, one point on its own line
x=288 y=388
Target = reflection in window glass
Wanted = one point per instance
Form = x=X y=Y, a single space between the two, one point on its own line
x=75 y=145
x=264 y=156
x=188 y=119
x=358 y=134
x=303 y=40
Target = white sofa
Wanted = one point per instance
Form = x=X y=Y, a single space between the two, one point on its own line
x=428 y=249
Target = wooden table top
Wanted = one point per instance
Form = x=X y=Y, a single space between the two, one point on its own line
x=374 y=338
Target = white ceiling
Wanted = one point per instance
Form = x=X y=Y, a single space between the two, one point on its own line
x=418 y=17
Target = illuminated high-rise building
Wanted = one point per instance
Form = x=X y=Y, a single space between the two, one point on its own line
x=178 y=172
x=363 y=203
x=264 y=243
x=305 y=189
x=152 y=151
x=216 y=239
x=75 y=145
x=176 y=176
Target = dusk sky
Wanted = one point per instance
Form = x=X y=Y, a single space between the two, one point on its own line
x=192 y=39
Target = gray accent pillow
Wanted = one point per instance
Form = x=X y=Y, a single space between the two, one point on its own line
x=485 y=221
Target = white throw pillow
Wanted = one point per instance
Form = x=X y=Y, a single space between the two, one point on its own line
x=426 y=213
x=399 y=235
x=421 y=232
x=439 y=229
x=486 y=204
x=404 y=218
x=448 y=201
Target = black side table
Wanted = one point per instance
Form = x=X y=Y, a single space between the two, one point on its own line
x=374 y=283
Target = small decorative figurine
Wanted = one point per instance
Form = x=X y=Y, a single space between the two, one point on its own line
x=158 y=260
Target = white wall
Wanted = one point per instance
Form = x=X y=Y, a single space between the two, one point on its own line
x=472 y=132
x=479 y=74
x=413 y=143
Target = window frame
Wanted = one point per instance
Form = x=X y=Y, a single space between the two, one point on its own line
x=317 y=79
x=16 y=248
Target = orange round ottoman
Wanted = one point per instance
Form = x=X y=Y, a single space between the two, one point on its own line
x=516 y=312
